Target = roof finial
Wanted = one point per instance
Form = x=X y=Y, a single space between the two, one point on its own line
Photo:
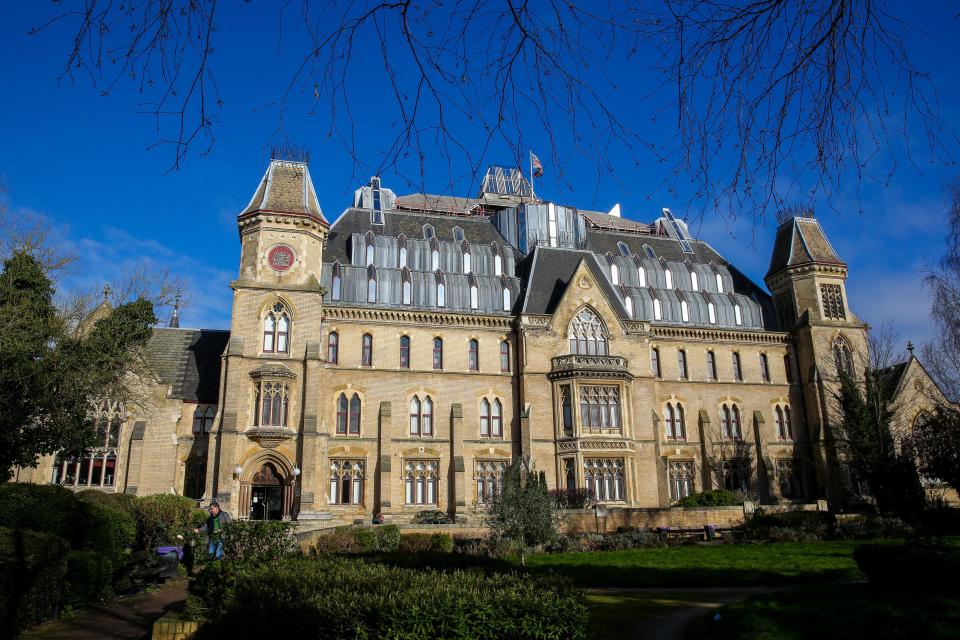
x=175 y=318
x=106 y=292
x=910 y=347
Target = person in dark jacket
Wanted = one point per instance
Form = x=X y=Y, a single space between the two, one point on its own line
x=216 y=521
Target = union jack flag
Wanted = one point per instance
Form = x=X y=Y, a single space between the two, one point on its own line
x=536 y=167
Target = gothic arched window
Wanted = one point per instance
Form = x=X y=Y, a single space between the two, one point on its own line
x=694 y=280
x=348 y=415
x=587 y=334
x=405 y=286
x=336 y=282
x=276 y=330
x=491 y=418
x=371 y=284
x=333 y=347
x=467 y=258
x=421 y=416
x=843 y=359
x=271 y=405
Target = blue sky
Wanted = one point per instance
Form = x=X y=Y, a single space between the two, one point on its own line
x=82 y=161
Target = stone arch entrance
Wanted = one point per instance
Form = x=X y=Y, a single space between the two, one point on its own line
x=266 y=490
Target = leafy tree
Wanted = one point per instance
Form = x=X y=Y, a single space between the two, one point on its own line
x=867 y=440
x=523 y=513
x=936 y=442
x=50 y=370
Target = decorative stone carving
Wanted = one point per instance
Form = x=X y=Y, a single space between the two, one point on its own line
x=269 y=437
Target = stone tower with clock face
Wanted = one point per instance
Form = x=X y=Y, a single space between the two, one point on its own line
x=264 y=437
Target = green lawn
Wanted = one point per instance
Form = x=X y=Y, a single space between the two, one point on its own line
x=615 y=615
x=702 y=565
x=833 y=611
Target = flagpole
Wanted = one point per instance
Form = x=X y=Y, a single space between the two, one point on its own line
x=533 y=194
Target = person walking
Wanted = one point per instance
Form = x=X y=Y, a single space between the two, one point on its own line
x=216 y=521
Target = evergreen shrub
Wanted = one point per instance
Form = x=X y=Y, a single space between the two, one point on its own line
x=89 y=577
x=326 y=597
x=32 y=570
x=712 y=498
x=160 y=518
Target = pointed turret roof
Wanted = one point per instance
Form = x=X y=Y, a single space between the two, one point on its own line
x=800 y=241
x=286 y=187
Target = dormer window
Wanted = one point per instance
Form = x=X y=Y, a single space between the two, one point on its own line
x=458 y=234
x=719 y=282
x=370 y=248
x=614 y=274
x=402 y=251
x=587 y=334
x=628 y=304
x=507 y=297
x=467 y=258
x=649 y=251
x=474 y=292
x=624 y=249
x=684 y=311
x=657 y=306
x=434 y=254
x=428 y=232
x=371 y=284
x=668 y=277
x=712 y=313
x=641 y=273
x=694 y=281
x=336 y=282
x=276 y=330
x=441 y=290
x=737 y=314
x=405 y=286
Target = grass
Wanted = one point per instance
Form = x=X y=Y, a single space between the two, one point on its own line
x=707 y=565
x=833 y=611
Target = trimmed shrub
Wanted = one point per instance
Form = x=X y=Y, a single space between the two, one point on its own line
x=107 y=530
x=259 y=541
x=32 y=569
x=40 y=507
x=121 y=501
x=806 y=525
x=89 y=577
x=318 y=598
x=877 y=527
x=420 y=542
x=366 y=539
x=712 y=498
x=388 y=537
x=336 y=542
x=160 y=518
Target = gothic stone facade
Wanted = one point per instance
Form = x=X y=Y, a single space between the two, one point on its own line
x=398 y=359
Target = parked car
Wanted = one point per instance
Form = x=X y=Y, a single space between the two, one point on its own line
x=432 y=517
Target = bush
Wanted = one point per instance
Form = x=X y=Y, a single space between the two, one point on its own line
x=420 y=542
x=107 y=530
x=336 y=542
x=89 y=577
x=46 y=508
x=352 y=540
x=388 y=537
x=160 y=518
x=259 y=541
x=318 y=598
x=876 y=527
x=366 y=539
x=712 y=498
x=32 y=569
x=121 y=501
x=802 y=526
x=923 y=567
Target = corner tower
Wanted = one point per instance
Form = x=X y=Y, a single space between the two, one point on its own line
x=272 y=362
x=808 y=283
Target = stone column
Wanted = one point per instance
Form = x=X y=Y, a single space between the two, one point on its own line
x=386 y=486
x=311 y=483
x=456 y=449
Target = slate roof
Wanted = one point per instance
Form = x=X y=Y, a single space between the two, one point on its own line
x=188 y=361
x=801 y=241
x=548 y=273
x=286 y=187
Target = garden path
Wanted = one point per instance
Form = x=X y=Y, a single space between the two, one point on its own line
x=663 y=613
x=125 y=618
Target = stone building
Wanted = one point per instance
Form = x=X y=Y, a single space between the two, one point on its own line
x=397 y=360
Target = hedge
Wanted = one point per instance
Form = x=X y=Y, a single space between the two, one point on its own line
x=161 y=517
x=32 y=570
x=329 y=597
x=712 y=498
x=351 y=540
x=38 y=507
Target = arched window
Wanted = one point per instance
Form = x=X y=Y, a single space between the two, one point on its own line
x=711 y=365
x=370 y=250
x=458 y=235
x=781 y=417
x=737 y=369
x=346 y=481
x=421 y=416
x=604 y=479
x=655 y=362
x=202 y=421
x=420 y=482
x=489 y=479
x=730 y=422
x=404 y=352
x=787 y=424
x=711 y=313
x=497 y=265
x=504 y=356
x=843 y=360
x=208 y=416
x=473 y=355
x=507 y=302
x=496 y=421
x=437 y=353
x=684 y=311
x=737 y=314
x=668 y=276
x=657 y=309
x=675 y=423
x=194 y=478
x=614 y=274
x=587 y=334
x=719 y=282
x=788 y=367
x=333 y=347
x=628 y=303
x=682 y=363
x=467 y=259
x=764 y=368
x=650 y=252
x=428 y=232
x=694 y=281
x=474 y=296
x=434 y=259
x=624 y=249
x=348 y=414
x=405 y=286
x=276 y=330
x=484 y=417
x=642 y=275
x=371 y=284
x=270 y=405
x=336 y=282
x=366 y=352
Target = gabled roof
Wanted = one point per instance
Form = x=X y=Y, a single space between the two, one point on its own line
x=801 y=241
x=551 y=271
x=286 y=187
x=188 y=361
